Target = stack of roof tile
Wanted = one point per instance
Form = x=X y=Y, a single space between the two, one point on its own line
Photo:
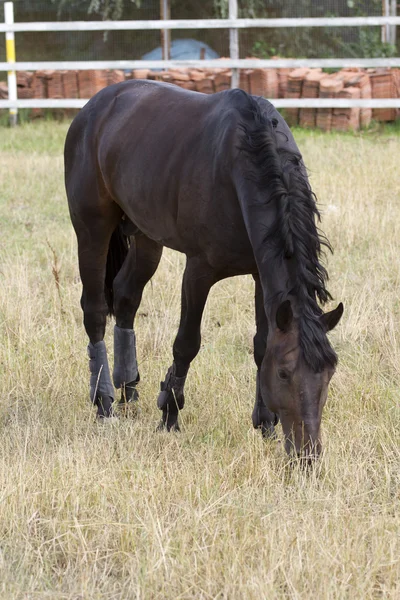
x=346 y=74
x=294 y=90
x=40 y=89
x=115 y=76
x=361 y=80
x=222 y=80
x=179 y=75
x=383 y=85
x=3 y=90
x=264 y=82
x=24 y=84
x=70 y=84
x=186 y=85
x=258 y=83
x=283 y=75
x=140 y=74
x=344 y=119
x=206 y=85
x=396 y=77
x=310 y=90
x=196 y=74
x=329 y=87
x=244 y=80
x=183 y=79
x=39 y=84
x=91 y=81
x=270 y=83
x=24 y=78
x=54 y=84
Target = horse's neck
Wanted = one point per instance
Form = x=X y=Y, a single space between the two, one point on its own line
x=277 y=274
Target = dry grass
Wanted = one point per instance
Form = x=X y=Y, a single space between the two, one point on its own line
x=119 y=512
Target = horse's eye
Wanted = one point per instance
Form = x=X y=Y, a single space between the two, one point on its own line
x=283 y=375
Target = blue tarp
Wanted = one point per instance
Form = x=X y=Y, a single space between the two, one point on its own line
x=183 y=50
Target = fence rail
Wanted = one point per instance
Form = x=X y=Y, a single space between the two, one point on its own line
x=278 y=103
x=198 y=24
x=234 y=63
x=240 y=63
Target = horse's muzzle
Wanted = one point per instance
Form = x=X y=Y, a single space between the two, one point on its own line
x=302 y=440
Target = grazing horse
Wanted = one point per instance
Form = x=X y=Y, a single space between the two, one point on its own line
x=219 y=178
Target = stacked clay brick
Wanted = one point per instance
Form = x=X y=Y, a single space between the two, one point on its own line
x=311 y=85
x=84 y=84
x=347 y=83
x=3 y=90
x=344 y=84
x=294 y=89
x=329 y=88
x=65 y=84
x=259 y=82
x=384 y=86
x=270 y=83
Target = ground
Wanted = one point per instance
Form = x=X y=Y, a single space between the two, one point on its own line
x=117 y=511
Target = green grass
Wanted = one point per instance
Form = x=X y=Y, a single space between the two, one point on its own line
x=120 y=512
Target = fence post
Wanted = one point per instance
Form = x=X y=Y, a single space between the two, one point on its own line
x=10 y=52
x=385 y=36
x=234 y=42
x=393 y=13
x=165 y=33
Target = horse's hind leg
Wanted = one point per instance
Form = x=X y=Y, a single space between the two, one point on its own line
x=262 y=417
x=197 y=281
x=94 y=228
x=140 y=265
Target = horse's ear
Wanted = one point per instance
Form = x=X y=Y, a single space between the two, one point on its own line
x=330 y=319
x=284 y=315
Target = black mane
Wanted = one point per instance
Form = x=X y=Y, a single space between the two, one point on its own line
x=281 y=174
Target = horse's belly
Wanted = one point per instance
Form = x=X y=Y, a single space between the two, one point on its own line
x=194 y=229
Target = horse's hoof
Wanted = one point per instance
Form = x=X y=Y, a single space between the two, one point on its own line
x=129 y=394
x=165 y=426
x=174 y=427
x=104 y=407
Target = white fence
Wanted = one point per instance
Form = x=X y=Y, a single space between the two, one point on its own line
x=233 y=24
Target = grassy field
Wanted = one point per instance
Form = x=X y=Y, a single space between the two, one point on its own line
x=117 y=511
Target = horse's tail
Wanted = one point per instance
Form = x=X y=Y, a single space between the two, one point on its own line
x=117 y=252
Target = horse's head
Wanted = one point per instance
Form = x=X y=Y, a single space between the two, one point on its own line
x=291 y=388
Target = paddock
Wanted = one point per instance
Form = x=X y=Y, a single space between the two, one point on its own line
x=120 y=511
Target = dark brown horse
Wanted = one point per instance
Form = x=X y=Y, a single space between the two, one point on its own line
x=220 y=179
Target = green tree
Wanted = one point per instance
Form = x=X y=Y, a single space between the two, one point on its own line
x=115 y=9
x=109 y=9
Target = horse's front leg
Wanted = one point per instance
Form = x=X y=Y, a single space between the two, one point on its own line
x=197 y=281
x=262 y=417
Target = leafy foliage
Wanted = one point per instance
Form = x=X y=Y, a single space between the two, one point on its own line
x=109 y=9
x=370 y=45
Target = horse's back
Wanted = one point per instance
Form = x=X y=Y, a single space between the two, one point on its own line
x=161 y=126
x=142 y=124
x=166 y=155
x=158 y=151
